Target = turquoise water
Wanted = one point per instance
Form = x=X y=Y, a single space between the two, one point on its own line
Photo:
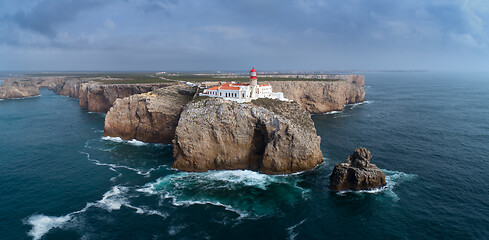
x=60 y=179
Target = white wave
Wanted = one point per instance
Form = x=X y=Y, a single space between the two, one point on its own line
x=147 y=211
x=113 y=166
x=334 y=112
x=41 y=224
x=113 y=139
x=290 y=230
x=99 y=113
x=245 y=177
x=176 y=202
x=112 y=200
x=392 y=178
x=133 y=142
x=137 y=143
x=185 y=189
x=353 y=105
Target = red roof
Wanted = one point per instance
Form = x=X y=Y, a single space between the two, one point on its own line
x=228 y=88
x=253 y=70
x=264 y=85
x=213 y=88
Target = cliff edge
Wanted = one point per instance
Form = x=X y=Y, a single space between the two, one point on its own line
x=322 y=96
x=148 y=117
x=268 y=136
x=17 y=89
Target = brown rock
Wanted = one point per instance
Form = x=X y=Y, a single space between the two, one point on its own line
x=148 y=117
x=98 y=97
x=357 y=173
x=322 y=96
x=266 y=135
x=11 y=89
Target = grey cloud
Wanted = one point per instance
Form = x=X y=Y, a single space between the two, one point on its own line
x=46 y=15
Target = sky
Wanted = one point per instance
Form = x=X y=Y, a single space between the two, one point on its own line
x=233 y=35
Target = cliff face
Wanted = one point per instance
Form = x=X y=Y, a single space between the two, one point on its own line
x=97 y=97
x=323 y=96
x=65 y=87
x=266 y=135
x=17 y=89
x=149 y=117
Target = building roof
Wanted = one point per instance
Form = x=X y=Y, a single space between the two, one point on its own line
x=233 y=86
x=228 y=88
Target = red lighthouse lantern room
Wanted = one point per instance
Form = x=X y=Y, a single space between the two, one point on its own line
x=253 y=73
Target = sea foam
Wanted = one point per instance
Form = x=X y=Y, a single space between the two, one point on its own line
x=113 y=166
x=112 y=200
x=392 y=178
x=41 y=224
x=247 y=193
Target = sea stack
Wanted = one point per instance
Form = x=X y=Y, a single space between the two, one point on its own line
x=357 y=173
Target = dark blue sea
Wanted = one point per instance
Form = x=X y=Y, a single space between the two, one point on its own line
x=60 y=179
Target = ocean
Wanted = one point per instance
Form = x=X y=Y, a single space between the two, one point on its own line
x=61 y=179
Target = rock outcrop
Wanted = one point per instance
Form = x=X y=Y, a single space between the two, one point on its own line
x=322 y=96
x=268 y=136
x=357 y=173
x=148 y=117
x=17 y=89
x=97 y=97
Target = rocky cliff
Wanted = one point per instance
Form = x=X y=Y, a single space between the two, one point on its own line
x=97 y=97
x=357 y=173
x=149 y=117
x=17 y=89
x=323 y=96
x=266 y=135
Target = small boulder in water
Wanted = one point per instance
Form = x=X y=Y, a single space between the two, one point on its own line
x=357 y=173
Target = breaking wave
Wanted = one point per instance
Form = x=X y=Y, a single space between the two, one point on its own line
x=353 y=105
x=112 y=200
x=290 y=230
x=333 y=112
x=247 y=193
x=392 y=178
x=133 y=142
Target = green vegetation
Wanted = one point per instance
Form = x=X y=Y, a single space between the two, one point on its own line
x=134 y=81
x=213 y=78
x=107 y=78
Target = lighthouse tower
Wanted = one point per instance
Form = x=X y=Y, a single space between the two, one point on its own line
x=253 y=83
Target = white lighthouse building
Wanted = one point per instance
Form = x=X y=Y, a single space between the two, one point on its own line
x=244 y=92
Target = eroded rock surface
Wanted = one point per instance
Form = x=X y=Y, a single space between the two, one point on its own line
x=322 y=96
x=97 y=97
x=266 y=135
x=357 y=173
x=148 y=117
x=17 y=89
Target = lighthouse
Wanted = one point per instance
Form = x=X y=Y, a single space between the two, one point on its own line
x=253 y=83
x=244 y=92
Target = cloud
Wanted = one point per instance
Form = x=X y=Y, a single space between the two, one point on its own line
x=229 y=32
x=279 y=33
x=44 y=17
x=467 y=40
